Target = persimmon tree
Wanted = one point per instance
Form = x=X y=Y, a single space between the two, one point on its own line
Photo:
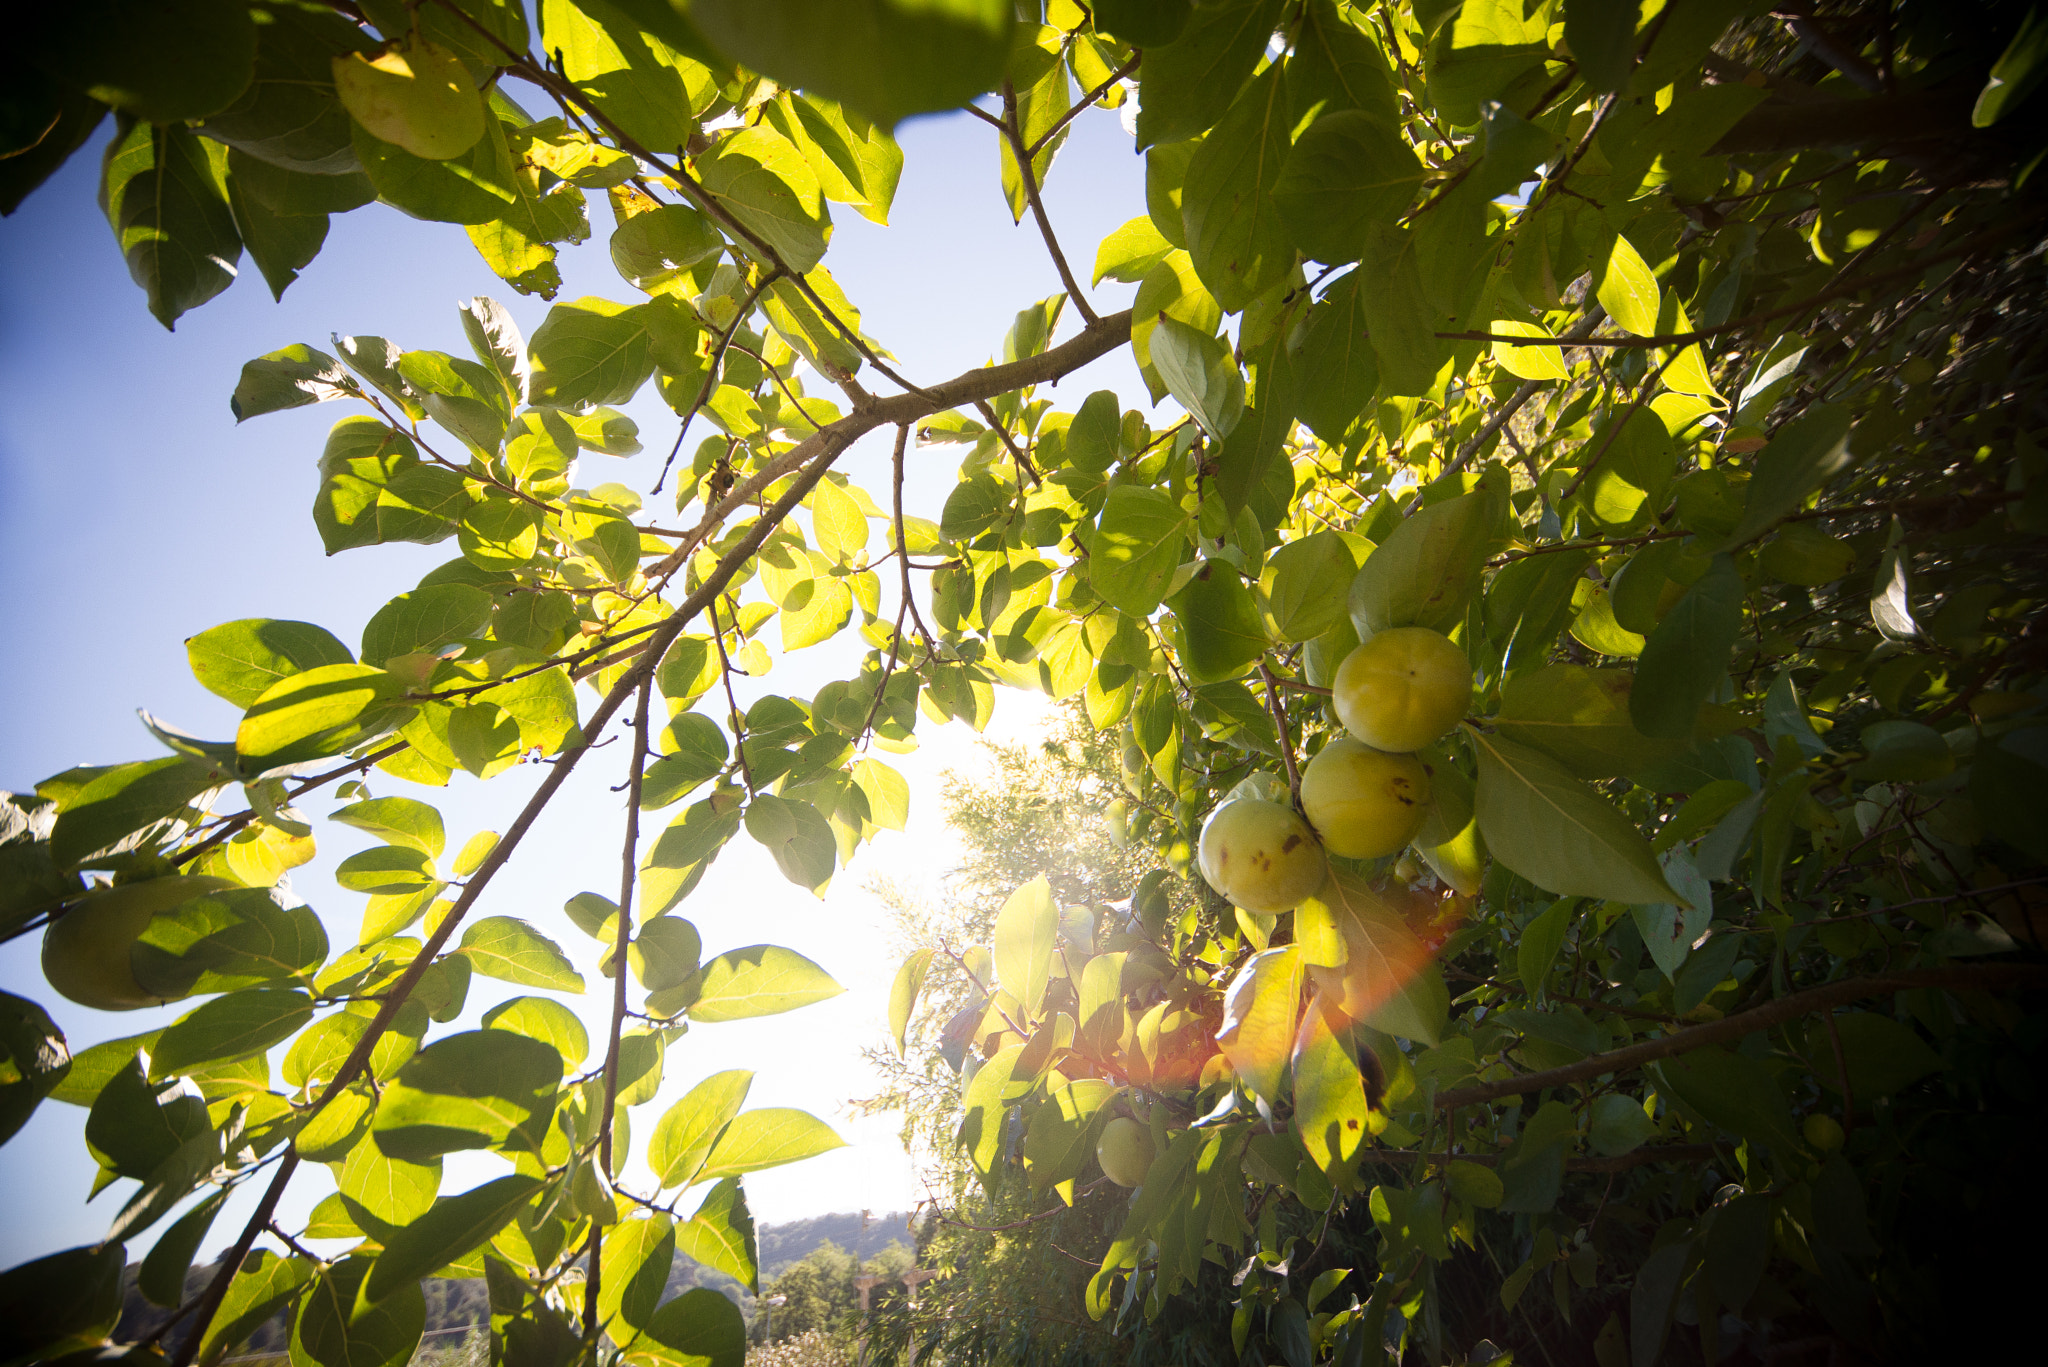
x=1678 y=364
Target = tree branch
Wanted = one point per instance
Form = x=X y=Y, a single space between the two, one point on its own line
x=1029 y=179
x=1981 y=977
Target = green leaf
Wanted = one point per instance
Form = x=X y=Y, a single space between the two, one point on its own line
x=478 y=185
x=125 y=800
x=510 y=949
x=478 y=1089
x=1733 y=1092
x=263 y=1284
x=41 y=1062
x=1884 y=1055
x=291 y=378
x=637 y=1256
x=281 y=245
x=1668 y=931
x=1129 y=252
x=1399 y=320
x=1221 y=633
x=642 y=83
x=1199 y=371
x=1426 y=570
x=1260 y=1011
x=1138 y=545
x=1304 y=585
x=425 y=620
x=546 y=1020
x=760 y=980
x=1558 y=833
x=720 y=1235
x=1335 y=67
x=337 y=1327
x=2005 y=783
x=887 y=792
x=1580 y=718
x=63 y=1303
x=888 y=59
x=1338 y=372
x=1541 y=940
x=798 y=836
x=1627 y=289
x=1602 y=37
x=1388 y=980
x=2017 y=72
x=1805 y=454
x=1527 y=362
x=1331 y=1111
x=856 y=160
x=1232 y=216
x=1187 y=84
x=449 y=1231
x=163 y=195
x=397 y=821
x=1684 y=658
x=239 y=661
x=387 y=870
x=686 y=1131
x=1026 y=933
x=700 y=1328
x=374 y=489
x=317 y=713
x=684 y=850
x=760 y=178
x=162 y=1278
x=231 y=1027
x=590 y=351
x=168 y=62
x=1349 y=173
x=903 y=993
x=1619 y=1125
x=768 y=1138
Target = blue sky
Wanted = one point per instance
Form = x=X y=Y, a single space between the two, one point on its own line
x=136 y=512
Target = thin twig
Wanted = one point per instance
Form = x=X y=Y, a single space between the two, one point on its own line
x=903 y=607
x=1087 y=101
x=1030 y=182
x=1279 y=711
x=1009 y=444
x=621 y=949
x=711 y=372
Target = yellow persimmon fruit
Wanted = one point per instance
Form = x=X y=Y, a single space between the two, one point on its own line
x=85 y=951
x=1364 y=802
x=1403 y=689
x=417 y=96
x=1261 y=855
x=1124 y=1151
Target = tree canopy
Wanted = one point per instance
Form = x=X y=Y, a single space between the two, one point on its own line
x=1676 y=365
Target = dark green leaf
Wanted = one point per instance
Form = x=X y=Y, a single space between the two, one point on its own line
x=1684 y=658
x=1427 y=568
x=1349 y=173
x=338 y=1327
x=1221 y=634
x=455 y=1226
x=1232 y=218
x=125 y=800
x=1557 y=832
x=700 y=1328
x=231 y=1027
x=164 y=197
x=162 y=1278
x=40 y=1060
x=64 y=1303
x=1805 y=454
x=166 y=60
x=1186 y=85
x=291 y=378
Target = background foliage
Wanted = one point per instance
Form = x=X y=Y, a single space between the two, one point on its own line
x=1681 y=362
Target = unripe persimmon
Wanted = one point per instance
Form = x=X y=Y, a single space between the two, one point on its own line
x=1124 y=1151
x=1363 y=802
x=1403 y=689
x=1261 y=855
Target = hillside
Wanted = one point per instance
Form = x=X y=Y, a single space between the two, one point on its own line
x=453 y=1304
